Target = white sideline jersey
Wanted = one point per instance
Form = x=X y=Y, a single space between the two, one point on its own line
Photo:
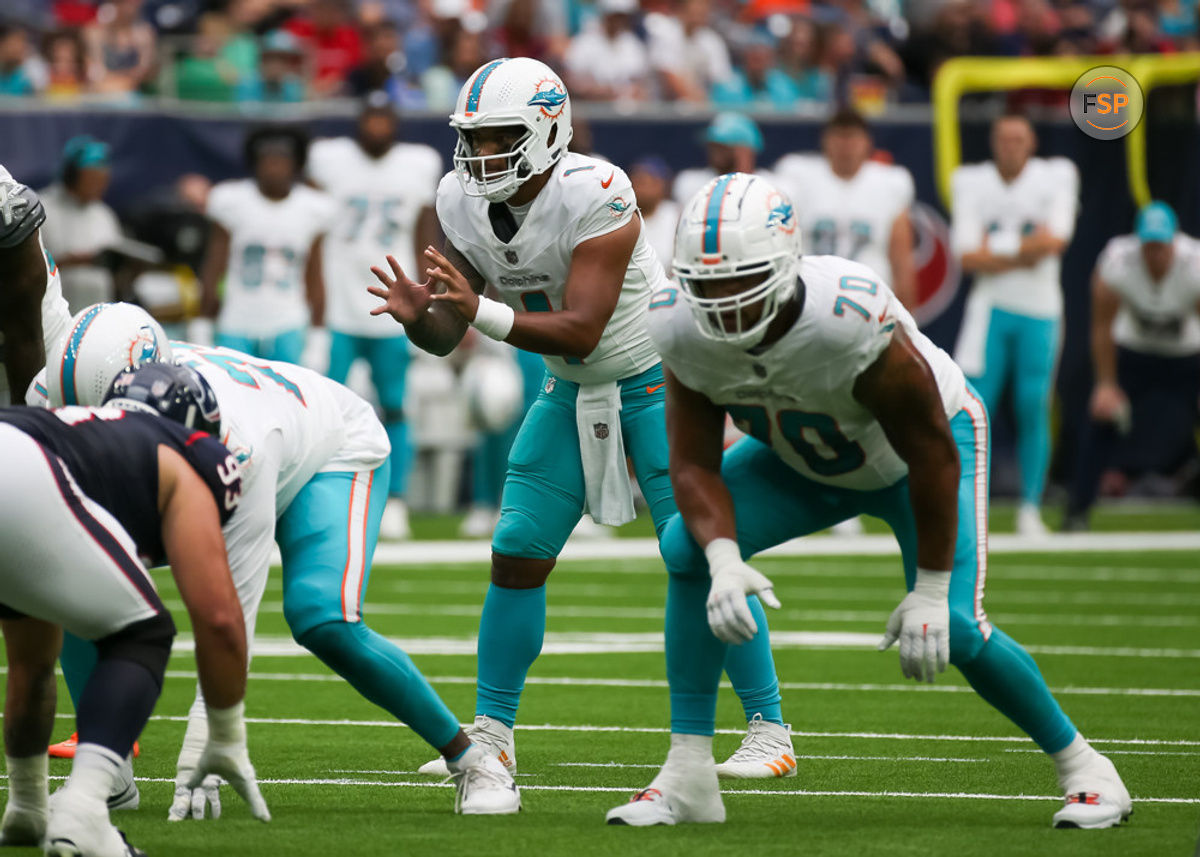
x=269 y=243
x=1155 y=317
x=797 y=396
x=851 y=218
x=585 y=198
x=1046 y=193
x=379 y=202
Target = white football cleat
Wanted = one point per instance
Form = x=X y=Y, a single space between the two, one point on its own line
x=484 y=786
x=1030 y=523
x=1095 y=798
x=492 y=736
x=22 y=826
x=766 y=752
x=393 y=526
x=685 y=791
x=79 y=826
x=125 y=794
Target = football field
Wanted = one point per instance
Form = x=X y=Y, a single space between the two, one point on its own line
x=885 y=767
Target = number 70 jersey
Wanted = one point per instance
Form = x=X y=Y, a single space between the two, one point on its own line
x=797 y=395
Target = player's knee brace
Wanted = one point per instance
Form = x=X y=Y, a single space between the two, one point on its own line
x=680 y=552
x=147 y=643
x=966 y=638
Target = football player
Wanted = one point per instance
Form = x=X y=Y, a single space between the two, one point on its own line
x=33 y=313
x=851 y=206
x=314 y=458
x=112 y=487
x=385 y=191
x=850 y=409
x=1013 y=218
x=266 y=244
x=557 y=238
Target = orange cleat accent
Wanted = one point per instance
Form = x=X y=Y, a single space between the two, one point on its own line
x=66 y=749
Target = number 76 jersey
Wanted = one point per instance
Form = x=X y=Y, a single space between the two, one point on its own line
x=797 y=395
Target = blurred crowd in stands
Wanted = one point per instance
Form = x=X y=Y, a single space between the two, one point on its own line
x=732 y=54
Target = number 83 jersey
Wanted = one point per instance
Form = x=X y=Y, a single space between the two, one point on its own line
x=797 y=395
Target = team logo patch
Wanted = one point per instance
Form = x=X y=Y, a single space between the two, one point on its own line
x=938 y=273
x=617 y=206
x=143 y=349
x=551 y=383
x=600 y=430
x=1086 y=798
x=550 y=98
x=510 y=256
x=780 y=214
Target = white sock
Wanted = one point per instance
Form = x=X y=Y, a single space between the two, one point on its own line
x=28 y=781
x=473 y=755
x=94 y=771
x=690 y=747
x=1074 y=757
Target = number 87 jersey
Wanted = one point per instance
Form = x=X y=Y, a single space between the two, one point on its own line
x=797 y=394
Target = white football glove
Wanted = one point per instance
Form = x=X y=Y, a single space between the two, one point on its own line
x=214 y=750
x=922 y=625
x=231 y=762
x=729 y=615
x=188 y=802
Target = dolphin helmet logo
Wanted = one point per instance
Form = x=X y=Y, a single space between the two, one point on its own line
x=780 y=214
x=144 y=348
x=550 y=98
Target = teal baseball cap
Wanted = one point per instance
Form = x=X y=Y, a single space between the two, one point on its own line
x=734 y=129
x=1156 y=221
x=86 y=151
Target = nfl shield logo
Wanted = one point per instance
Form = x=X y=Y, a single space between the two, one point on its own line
x=510 y=256
x=550 y=384
x=600 y=430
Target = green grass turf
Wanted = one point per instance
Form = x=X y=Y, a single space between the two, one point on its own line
x=1112 y=601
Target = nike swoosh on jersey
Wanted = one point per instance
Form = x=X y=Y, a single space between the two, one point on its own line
x=656 y=388
x=604 y=184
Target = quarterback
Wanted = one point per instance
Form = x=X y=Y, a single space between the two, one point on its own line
x=557 y=238
x=850 y=409
x=313 y=458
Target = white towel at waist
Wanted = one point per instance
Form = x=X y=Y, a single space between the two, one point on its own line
x=605 y=476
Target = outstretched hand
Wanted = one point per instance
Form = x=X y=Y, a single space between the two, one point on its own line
x=459 y=293
x=403 y=299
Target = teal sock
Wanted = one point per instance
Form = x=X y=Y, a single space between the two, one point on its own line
x=751 y=669
x=385 y=675
x=694 y=658
x=397 y=433
x=78 y=659
x=510 y=639
x=1007 y=677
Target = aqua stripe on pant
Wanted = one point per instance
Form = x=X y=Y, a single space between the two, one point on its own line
x=774 y=503
x=1023 y=349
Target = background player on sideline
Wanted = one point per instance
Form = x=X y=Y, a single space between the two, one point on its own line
x=385 y=191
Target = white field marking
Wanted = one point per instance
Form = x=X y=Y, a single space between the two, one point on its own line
x=572 y=643
x=460 y=552
x=797 y=756
x=656 y=614
x=657 y=683
x=1118 y=752
x=659 y=730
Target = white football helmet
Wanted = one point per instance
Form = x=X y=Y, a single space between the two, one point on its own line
x=738 y=225
x=103 y=341
x=506 y=92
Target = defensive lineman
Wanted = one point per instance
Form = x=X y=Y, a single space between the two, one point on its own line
x=312 y=454
x=850 y=409
x=1013 y=219
x=385 y=191
x=557 y=237
x=112 y=486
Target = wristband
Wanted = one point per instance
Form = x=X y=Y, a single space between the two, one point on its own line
x=494 y=319
x=933 y=583
x=722 y=552
x=227 y=725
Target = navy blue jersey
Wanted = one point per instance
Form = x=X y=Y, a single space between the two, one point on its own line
x=113 y=457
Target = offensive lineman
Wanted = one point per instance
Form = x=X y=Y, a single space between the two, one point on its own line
x=112 y=486
x=312 y=454
x=850 y=409
x=556 y=237
x=385 y=190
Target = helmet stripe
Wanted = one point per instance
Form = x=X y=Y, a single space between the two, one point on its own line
x=712 y=215
x=477 y=86
x=67 y=376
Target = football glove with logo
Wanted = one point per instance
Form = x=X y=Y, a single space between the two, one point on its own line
x=729 y=616
x=922 y=625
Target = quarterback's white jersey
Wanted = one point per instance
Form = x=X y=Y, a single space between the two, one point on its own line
x=585 y=198
x=798 y=395
x=1155 y=317
x=851 y=218
x=269 y=243
x=380 y=201
x=1046 y=193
